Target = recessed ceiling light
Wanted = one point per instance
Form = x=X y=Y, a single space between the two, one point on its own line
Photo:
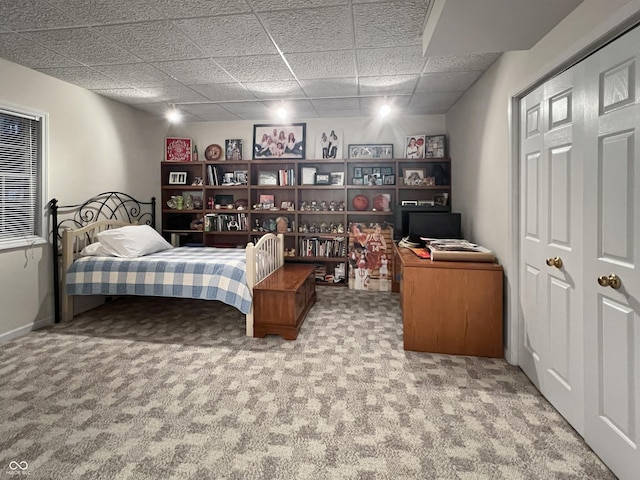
x=174 y=115
x=282 y=113
x=384 y=110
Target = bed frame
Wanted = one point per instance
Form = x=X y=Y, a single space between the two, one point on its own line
x=82 y=223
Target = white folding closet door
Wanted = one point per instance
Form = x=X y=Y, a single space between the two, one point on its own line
x=551 y=242
x=612 y=228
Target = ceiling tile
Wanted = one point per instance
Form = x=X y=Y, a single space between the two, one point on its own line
x=83 y=45
x=85 y=77
x=228 y=36
x=198 y=8
x=152 y=41
x=247 y=108
x=435 y=102
x=224 y=91
x=128 y=95
x=138 y=75
x=392 y=84
x=332 y=87
x=33 y=14
x=373 y=104
x=455 y=63
x=256 y=68
x=310 y=30
x=209 y=111
x=15 y=47
x=449 y=81
x=312 y=65
x=390 y=61
x=159 y=108
x=99 y=12
x=389 y=24
x=174 y=94
x=281 y=89
x=295 y=106
x=197 y=71
x=333 y=104
x=272 y=5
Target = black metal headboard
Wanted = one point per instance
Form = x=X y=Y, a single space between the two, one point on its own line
x=104 y=206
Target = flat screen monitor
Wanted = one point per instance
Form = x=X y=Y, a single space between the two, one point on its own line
x=434 y=225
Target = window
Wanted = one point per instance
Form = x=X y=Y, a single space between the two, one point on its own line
x=21 y=178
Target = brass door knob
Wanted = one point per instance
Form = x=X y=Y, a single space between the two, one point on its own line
x=554 y=262
x=612 y=281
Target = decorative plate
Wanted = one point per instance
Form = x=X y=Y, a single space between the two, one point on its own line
x=213 y=152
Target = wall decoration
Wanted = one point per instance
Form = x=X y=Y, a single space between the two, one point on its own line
x=435 y=146
x=414 y=146
x=213 y=152
x=371 y=151
x=329 y=144
x=308 y=175
x=233 y=149
x=337 y=178
x=323 y=179
x=370 y=257
x=279 y=141
x=413 y=176
x=177 y=149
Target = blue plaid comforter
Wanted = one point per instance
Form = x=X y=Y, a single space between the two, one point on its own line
x=186 y=272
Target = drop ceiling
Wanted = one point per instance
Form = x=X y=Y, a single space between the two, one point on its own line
x=221 y=60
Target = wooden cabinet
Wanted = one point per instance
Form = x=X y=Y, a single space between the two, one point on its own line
x=450 y=307
x=226 y=194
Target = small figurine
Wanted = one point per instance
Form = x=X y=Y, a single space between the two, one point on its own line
x=272 y=224
x=281 y=224
x=340 y=228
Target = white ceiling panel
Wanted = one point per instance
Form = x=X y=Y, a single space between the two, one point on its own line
x=396 y=60
x=84 y=45
x=197 y=71
x=224 y=91
x=228 y=36
x=310 y=30
x=234 y=59
x=333 y=64
x=398 y=84
x=153 y=41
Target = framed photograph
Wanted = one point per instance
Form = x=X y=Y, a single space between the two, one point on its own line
x=286 y=205
x=441 y=199
x=279 y=141
x=177 y=149
x=435 y=146
x=329 y=144
x=337 y=178
x=374 y=151
x=357 y=172
x=268 y=178
x=178 y=178
x=414 y=146
x=267 y=201
x=241 y=176
x=233 y=149
x=413 y=176
x=358 y=181
x=323 y=179
x=196 y=199
x=388 y=179
x=308 y=175
x=386 y=170
x=426 y=203
x=367 y=171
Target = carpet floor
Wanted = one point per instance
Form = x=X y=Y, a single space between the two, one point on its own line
x=157 y=388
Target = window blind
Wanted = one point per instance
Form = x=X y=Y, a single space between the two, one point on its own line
x=20 y=145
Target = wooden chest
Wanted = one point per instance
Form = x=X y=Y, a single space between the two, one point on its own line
x=282 y=300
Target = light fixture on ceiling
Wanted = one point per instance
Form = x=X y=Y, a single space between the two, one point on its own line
x=384 y=110
x=282 y=112
x=174 y=115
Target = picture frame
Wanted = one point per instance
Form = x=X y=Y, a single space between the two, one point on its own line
x=229 y=178
x=196 y=199
x=286 y=205
x=323 y=179
x=409 y=203
x=357 y=172
x=223 y=200
x=435 y=146
x=267 y=201
x=233 y=149
x=386 y=170
x=178 y=149
x=389 y=179
x=329 y=144
x=274 y=141
x=358 y=181
x=308 y=175
x=441 y=199
x=414 y=146
x=337 y=178
x=241 y=176
x=371 y=151
x=266 y=177
x=177 y=178
x=413 y=176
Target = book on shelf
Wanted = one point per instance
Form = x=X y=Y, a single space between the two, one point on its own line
x=454 y=250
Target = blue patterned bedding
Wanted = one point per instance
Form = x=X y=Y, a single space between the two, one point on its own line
x=186 y=272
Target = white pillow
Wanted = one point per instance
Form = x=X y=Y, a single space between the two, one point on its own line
x=96 y=250
x=133 y=241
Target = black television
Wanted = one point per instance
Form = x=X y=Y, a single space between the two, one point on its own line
x=434 y=225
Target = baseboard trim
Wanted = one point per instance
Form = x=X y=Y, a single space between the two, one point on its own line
x=18 y=332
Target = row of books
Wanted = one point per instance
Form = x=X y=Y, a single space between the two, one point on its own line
x=215 y=178
x=323 y=247
x=225 y=222
x=286 y=177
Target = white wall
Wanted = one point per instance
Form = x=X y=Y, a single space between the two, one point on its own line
x=95 y=145
x=479 y=130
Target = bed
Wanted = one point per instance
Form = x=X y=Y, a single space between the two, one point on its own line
x=223 y=274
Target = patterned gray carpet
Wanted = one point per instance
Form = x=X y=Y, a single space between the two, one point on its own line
x=146 y=388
